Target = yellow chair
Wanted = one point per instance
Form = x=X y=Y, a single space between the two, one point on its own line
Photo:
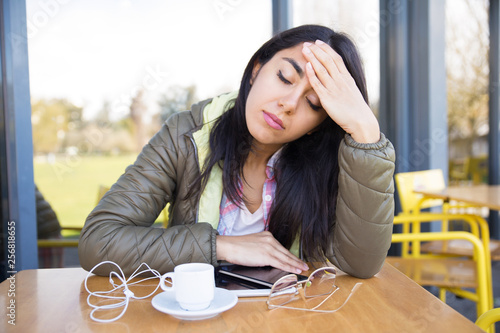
x=446 y=249
x=454 y=274
x=412 y=204
x=471 y=169
x=165 y=215
x=457 y=171
x=478 y=169
x=58 y=242
x=101 y=192
x=488 y=318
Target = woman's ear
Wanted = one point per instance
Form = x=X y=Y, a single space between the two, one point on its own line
x=255 y=71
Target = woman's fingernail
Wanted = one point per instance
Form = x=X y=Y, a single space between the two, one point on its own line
x=319 y=42
x=298 y=271
x=307 y=44
x=306 y=49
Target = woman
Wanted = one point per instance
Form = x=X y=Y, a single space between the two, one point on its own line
x=291 y=168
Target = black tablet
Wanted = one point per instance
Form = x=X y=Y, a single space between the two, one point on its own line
x=249 y=281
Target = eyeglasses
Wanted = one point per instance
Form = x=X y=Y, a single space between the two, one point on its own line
x=320 y=283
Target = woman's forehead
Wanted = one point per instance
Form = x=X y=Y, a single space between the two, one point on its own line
x=294 y=52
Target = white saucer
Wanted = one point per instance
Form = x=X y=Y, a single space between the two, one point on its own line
x=223 y=300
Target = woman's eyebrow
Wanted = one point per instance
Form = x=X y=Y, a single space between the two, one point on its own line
x=296 y=66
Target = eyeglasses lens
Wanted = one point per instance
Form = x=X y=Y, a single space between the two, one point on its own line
x=283 y=291
x=321 y=282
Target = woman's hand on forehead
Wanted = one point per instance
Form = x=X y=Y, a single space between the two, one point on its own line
x=338 y=93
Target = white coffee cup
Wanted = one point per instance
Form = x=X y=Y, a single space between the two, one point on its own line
x=193 y=285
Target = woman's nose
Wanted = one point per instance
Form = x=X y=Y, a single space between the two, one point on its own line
x=289 y=103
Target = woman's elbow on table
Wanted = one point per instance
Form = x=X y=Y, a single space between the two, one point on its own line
x=363 y=273
x=362 y=266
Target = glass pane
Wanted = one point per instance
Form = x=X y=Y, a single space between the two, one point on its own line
x=467 y=44
x=104 y=75
x=357 y=18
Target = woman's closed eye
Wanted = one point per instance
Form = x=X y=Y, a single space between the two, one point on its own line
x=314 y=102
x=285 y=81
x=282 y=78
x=313 y=106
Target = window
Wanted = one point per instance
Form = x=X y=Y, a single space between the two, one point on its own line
x=360 y=20
x=104 y=74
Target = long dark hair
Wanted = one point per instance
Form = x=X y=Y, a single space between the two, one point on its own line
x=307 y=170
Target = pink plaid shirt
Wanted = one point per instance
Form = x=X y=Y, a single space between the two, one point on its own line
x=229 y=210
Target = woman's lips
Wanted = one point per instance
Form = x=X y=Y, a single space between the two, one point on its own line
x=273 y=121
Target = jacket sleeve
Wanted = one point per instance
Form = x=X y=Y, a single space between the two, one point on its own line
x=365 y=207
x=120 y=228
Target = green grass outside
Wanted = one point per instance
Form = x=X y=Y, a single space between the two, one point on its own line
x=70 y=184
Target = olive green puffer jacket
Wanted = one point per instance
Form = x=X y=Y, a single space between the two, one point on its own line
x=120 y=227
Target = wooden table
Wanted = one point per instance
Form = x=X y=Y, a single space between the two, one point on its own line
x=480 y=195
x=55 y=300
x=477 y=195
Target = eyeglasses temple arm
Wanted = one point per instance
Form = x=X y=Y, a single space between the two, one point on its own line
x=356 y=286
x=323 y=301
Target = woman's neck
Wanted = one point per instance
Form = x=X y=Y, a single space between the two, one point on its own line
x=259 y=156
x=254 y=176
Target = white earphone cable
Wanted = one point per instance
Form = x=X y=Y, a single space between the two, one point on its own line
x=125 y=284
